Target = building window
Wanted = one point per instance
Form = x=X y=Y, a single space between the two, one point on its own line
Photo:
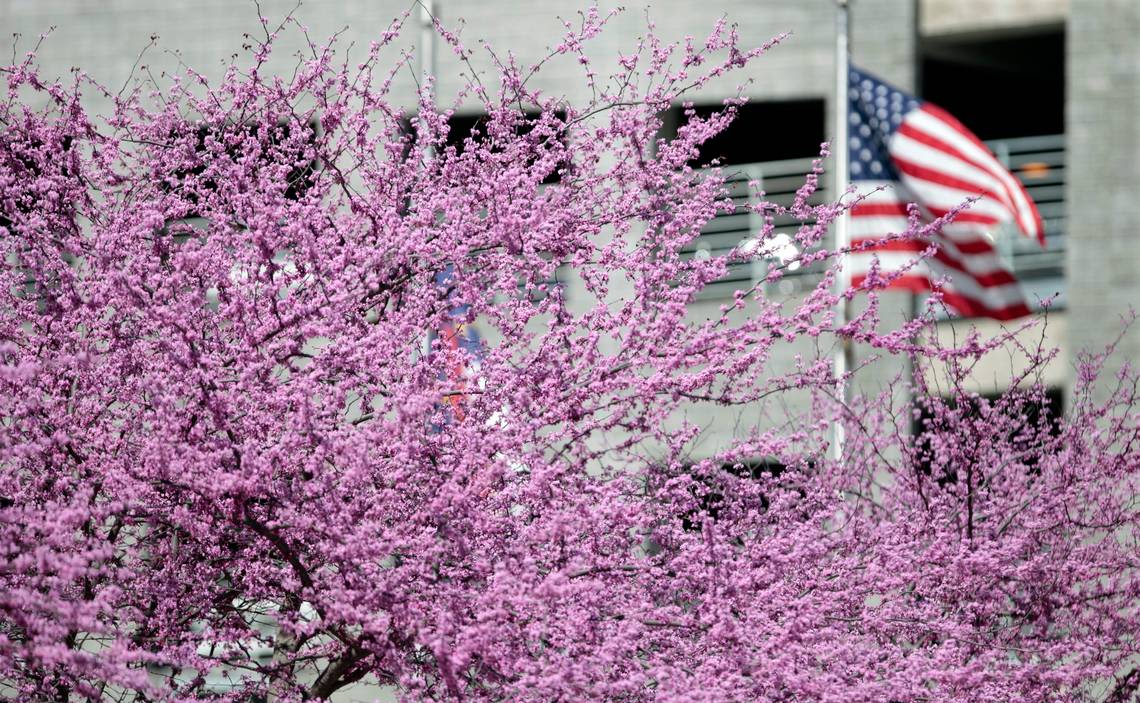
x=935 y=434
x=712 y=485
x=772 y=144
x=41 y=221
x=472 y=129
x=465 y=130
x=1009 y=89
x=1000 y=86
x=762 y=131
x=208 y=151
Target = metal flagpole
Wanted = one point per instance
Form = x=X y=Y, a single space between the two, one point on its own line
x=915 y=302
x=427 y=102
x=427 y=59
x=844 y=354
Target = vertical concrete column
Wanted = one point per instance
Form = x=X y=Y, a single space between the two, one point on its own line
x=1103 y=196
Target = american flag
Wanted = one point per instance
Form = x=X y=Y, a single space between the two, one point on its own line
x=459 y=341
x=463 y=347
x=904 y=150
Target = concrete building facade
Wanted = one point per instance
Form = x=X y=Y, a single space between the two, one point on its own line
x=1103 y=100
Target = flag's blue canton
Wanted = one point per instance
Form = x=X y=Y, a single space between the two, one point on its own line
x=875 y=110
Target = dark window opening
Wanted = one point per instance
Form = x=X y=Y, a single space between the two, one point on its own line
x=471 y=128
x=406 y=132
x=462 y=128
x=769 y=142
x=27 y=158
x=1003 y=86
x=927 y=460
x=192 y=183
x=711 y=489
x=35 y=259
x=761 y=131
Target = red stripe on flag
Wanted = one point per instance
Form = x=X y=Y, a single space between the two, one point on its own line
x=965 y=216
x=866 y=209
x=943 y=179
x=898 y=209
x=999 y=277
x=935 y=143
x=963 y=305
x=966 y=246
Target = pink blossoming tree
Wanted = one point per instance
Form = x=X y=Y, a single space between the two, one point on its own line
x=240 y=459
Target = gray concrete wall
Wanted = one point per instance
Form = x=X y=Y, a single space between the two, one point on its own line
x=1103 y=263
x=955 y=16
x=104 y=38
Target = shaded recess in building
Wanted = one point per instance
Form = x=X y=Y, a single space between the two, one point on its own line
x=461 y=127
x=714 y=487
x=762 y=131
x=240 y=140
x=1000 y=85
x=926 y=427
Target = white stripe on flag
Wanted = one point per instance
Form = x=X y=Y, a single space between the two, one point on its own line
x=993 y=297
x=920 y=154
x=943 y=197
x=929 y=123
x=979 y=264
